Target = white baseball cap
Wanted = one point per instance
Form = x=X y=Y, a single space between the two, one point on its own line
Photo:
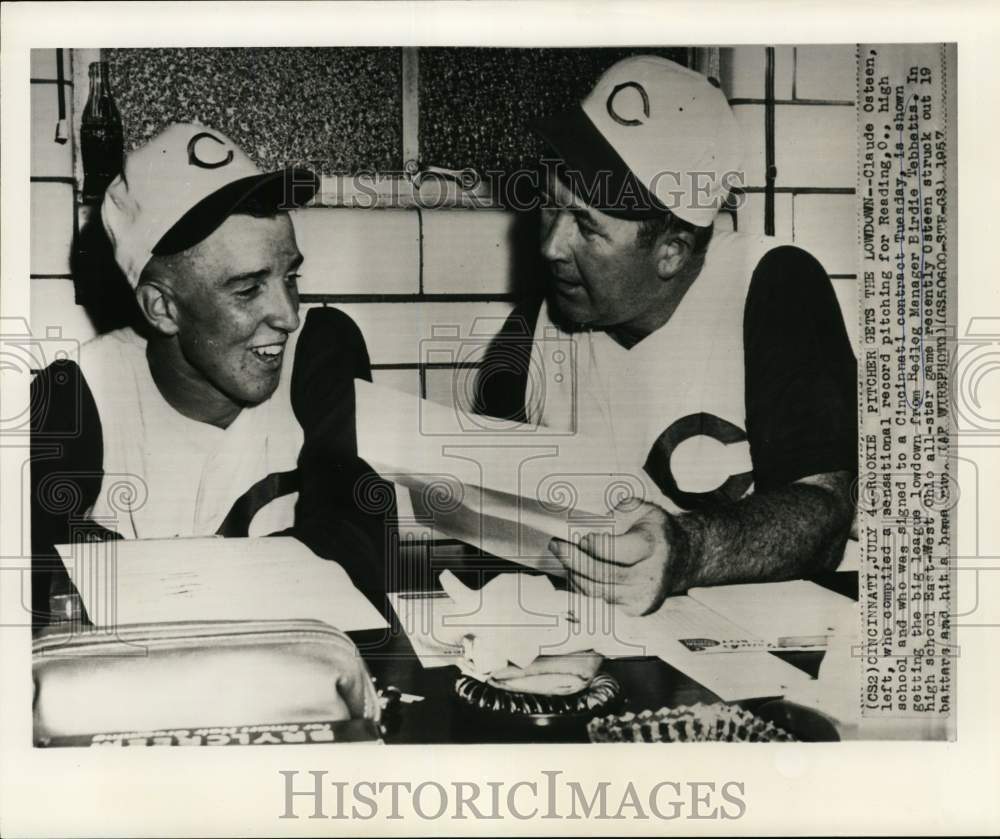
x=177 y=189
x=651 y=136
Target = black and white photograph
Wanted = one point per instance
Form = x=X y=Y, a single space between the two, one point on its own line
x=399 y=400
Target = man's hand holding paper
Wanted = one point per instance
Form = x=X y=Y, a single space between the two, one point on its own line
x=635 y=569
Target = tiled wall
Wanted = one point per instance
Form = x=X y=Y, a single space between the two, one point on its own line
x=53 y=209
x=406 y=275
x=815 y=142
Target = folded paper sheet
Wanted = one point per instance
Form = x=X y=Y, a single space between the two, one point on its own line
x=505 y=487
x=154 y=580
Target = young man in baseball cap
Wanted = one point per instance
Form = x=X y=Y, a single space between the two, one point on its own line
x=224 y=417
x=715 y=364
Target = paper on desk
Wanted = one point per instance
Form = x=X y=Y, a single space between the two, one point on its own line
x=270 y=578
x=507 y=488
x=744 y=675
x=747 y=673
x=695 y=626
x=517 y=617
x=797 y=614
x=420 y=615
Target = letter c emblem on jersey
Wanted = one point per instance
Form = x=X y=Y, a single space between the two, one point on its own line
x=628 y=120
x=657 y=464
x=192 y=150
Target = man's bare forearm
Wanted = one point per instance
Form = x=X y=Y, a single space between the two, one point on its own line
x=794 y=531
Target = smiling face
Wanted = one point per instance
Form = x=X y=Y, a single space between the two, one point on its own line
x=602 y=276
x=234 y=302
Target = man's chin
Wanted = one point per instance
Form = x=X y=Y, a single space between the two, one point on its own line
x=249 y=397
x=567 y=315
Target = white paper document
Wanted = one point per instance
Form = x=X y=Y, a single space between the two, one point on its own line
x=792 y=615
x=695 y=626
x=420 y=614
x=747 y=675
x=503 y=487
x=745 y=671
x=270 y=578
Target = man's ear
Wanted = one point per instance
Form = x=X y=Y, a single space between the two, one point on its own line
x=672 y=253
x=158 y=307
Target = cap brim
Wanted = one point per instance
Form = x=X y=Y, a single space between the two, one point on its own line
x=594 y=170
x=286 y=189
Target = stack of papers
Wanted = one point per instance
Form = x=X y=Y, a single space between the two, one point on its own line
x=270 y=578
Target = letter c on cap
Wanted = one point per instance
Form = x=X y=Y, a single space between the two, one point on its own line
x=611 y=100
x=193 y=158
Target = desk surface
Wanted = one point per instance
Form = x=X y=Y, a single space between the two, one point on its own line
x=441 y=717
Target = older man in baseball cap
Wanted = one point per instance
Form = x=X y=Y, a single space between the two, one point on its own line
x=715 y=364
x=223 y=417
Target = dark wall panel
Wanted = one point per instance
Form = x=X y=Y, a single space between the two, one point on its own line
x=476 y=103
x=339 y=107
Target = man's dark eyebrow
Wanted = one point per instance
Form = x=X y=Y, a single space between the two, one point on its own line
x=248 y=276
x=580 y=212
x=260 y=274
x=588 y=216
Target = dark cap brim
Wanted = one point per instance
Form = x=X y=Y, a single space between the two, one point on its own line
x=286 y=189
x=594 y=170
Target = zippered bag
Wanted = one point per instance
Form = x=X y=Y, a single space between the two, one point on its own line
x=168 y=681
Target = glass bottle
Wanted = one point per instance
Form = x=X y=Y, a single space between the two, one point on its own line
x=101 y=135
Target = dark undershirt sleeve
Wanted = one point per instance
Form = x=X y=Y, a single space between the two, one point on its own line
x=344 y=508
x=801 y=373
x=502 y=379
x=67 y=454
